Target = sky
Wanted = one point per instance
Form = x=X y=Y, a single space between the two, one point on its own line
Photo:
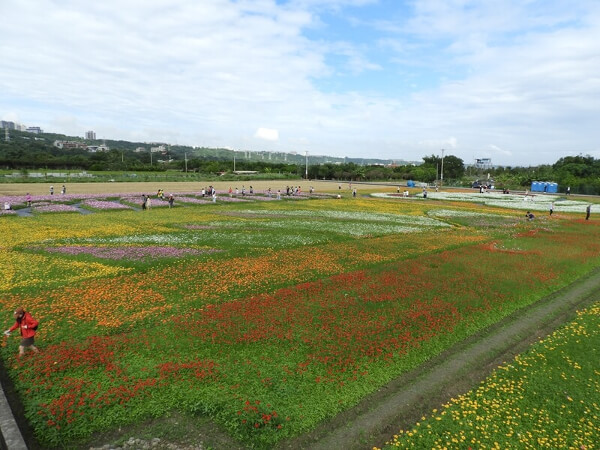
x=517 y=81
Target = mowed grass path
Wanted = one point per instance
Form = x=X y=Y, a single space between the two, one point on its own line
x=288 y=314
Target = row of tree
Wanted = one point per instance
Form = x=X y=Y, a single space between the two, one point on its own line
x=581 y=173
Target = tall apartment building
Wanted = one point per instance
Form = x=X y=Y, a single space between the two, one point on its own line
x=36 y=130
x=90 y=135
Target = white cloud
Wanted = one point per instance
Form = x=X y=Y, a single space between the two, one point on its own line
x=268 y=134
x=455 y=75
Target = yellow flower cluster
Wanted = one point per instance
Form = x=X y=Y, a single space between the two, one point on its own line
x=513 y=408
x=21 y=270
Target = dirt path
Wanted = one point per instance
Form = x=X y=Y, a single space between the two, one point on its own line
x=179 y=186
x=404 y=401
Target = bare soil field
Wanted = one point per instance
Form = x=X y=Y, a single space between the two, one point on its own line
x=181 y=186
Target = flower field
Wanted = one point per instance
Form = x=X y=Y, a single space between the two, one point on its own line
x=267 y=317
x=545 y=398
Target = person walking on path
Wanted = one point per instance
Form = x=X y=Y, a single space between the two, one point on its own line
x=51 y=190
x=171 y=200
x=28 y=326
x=588 y=211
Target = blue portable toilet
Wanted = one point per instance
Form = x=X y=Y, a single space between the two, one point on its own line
x=544 y=186
x=410 y=183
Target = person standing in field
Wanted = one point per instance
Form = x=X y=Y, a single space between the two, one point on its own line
x=51 y=190
x=27 y=326
x=588 y=211
x=171 y=200
x=551 y=208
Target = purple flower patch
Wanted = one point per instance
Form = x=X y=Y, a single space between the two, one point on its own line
x=55 y=207
x=231 y=199
x=129 y=253
x=193 y=200
x=154 y=201
x=264 y=198
x=101 y=204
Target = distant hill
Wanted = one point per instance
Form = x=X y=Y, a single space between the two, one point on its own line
x=179 y=152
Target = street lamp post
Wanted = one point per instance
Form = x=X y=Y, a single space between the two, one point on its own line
x=306 y=165
x=442 y=170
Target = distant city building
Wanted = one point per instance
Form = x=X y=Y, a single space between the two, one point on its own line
x=90 y=135
x=69 y=144
x=159 y=149
x=97 y=148
x=36 y=130
x=8 y=125
x=140 y=150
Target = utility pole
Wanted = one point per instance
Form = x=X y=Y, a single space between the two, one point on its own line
x=442 y=171
x=185 y=158
x=306 y=165
x=234 y=161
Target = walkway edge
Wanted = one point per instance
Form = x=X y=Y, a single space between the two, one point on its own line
x=9 y=431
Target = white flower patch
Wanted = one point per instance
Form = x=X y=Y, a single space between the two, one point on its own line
x=410 y=221
x=458 y=213
x=344 y=228
x=531 y=202
x=162 y=239
x=210 y=237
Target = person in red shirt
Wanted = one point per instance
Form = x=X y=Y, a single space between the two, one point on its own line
x=28 y=326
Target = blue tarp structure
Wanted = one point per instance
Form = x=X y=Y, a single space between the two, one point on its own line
x=544 y=186
x=410 y=183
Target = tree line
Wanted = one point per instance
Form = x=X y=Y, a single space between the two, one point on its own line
x=23 y=153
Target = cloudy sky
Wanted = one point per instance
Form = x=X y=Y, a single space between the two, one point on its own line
x=517 y=81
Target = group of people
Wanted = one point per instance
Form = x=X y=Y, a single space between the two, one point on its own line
x=209 y=191
x=588 y=211
x=63 y=190
x=147 y=200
